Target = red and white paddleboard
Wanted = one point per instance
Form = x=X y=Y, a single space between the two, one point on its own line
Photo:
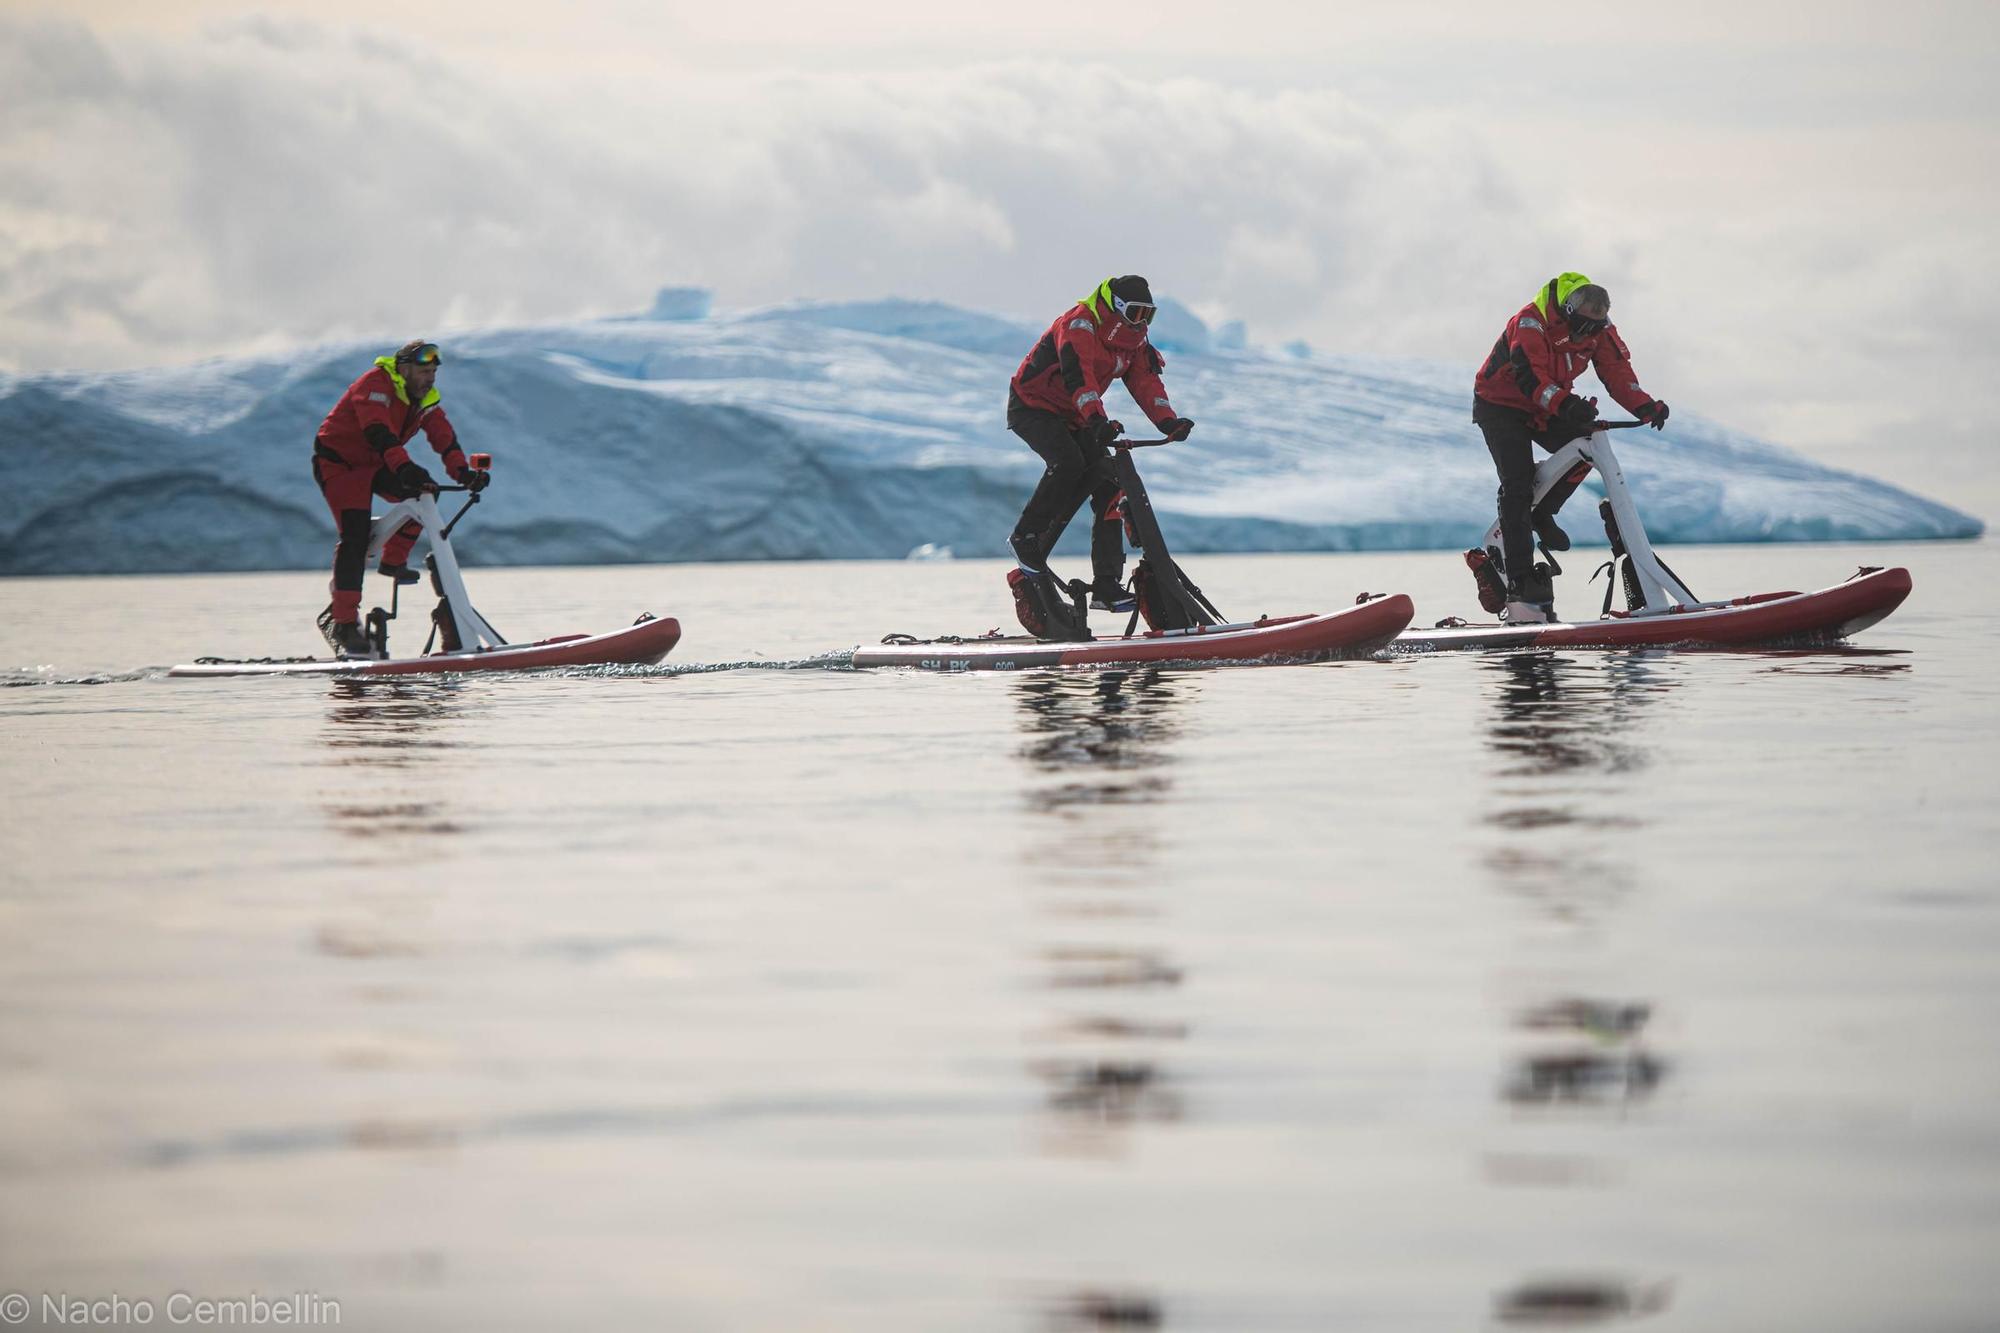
x=1825 y=616
x=642 y=644
x=1356 y=630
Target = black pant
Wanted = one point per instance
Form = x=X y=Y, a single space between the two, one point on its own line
x=1510 y=439
x=1075 y=471
x=349 y=493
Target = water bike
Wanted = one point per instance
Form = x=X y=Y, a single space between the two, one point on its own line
x=1659 y=607
x=460 y=638
x=1182 y=624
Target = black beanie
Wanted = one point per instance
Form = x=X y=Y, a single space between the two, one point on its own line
x=1132 y=287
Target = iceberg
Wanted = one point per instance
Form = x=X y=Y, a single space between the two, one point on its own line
x=866 y=429
x=681 y=303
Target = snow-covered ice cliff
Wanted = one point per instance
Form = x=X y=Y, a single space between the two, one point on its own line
x=833 y=430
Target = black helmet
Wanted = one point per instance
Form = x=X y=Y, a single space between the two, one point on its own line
x=1131 y=297
x=1588 y=309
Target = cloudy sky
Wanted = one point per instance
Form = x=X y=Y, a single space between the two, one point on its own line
x=1793 y=205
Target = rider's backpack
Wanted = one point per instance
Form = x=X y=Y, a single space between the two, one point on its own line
x=1048 y=609
x=1164 y=601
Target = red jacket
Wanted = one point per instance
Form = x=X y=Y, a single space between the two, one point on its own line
x=1536 y=361
x=374 y=419
x=1076 y=360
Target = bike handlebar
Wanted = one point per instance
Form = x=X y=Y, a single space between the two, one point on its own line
x=1595 y=426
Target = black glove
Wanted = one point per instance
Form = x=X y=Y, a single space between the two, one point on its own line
x=474 y=480
x=414 y=480
x=1654 y=414
x=1102 y=432
x=1578 y=411
x=1176 y=428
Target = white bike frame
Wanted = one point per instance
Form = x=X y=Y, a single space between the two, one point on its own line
x=1663 y=592
x=473 y=631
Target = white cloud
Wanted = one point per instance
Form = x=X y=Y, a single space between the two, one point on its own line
x=265 y=179
x=264 y=183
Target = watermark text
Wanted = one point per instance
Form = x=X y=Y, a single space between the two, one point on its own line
x=179 y=1309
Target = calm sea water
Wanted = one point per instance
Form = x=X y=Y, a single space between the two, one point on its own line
x=1424 y=993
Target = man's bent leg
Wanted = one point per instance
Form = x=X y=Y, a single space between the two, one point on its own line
x=347 y=494
x=1107 y=529
x=1543 y=517
x=396 y=550
x=1061 y=489
x=350 y=561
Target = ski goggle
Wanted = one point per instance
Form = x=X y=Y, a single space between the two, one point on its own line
x=1134 y=312
x=1588 y=310
x=427 y=355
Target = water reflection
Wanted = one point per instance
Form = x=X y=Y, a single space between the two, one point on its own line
x=1605 y=1019
x=1584 y=1077
x=1835 y=660
x=392 y=819
x=1586 y=1053
x=389 y=723
x=387 y=792
x=1570 y=1302
x=1096 y=1094
x=1570 y=847
x=1568 y=733
x=1569 y=738
x=1557 y=715
x=1098 y=752
x=1094 y=1311
x=1075 y=967
x=1101 y=731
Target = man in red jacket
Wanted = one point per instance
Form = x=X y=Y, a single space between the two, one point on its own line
x=359 y=453
x=1056 y=404
x=1523 y=396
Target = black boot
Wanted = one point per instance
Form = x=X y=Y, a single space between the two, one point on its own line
x=345 y=637
x=1111 y=597
x=405 y=576
x=1552 y=537
x=1531 y=600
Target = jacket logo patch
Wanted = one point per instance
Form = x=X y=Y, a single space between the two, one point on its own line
x=378 y=397
x=1083 y=324
x=1529 y=323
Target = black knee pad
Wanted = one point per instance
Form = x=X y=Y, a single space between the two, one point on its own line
x=350 y=557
